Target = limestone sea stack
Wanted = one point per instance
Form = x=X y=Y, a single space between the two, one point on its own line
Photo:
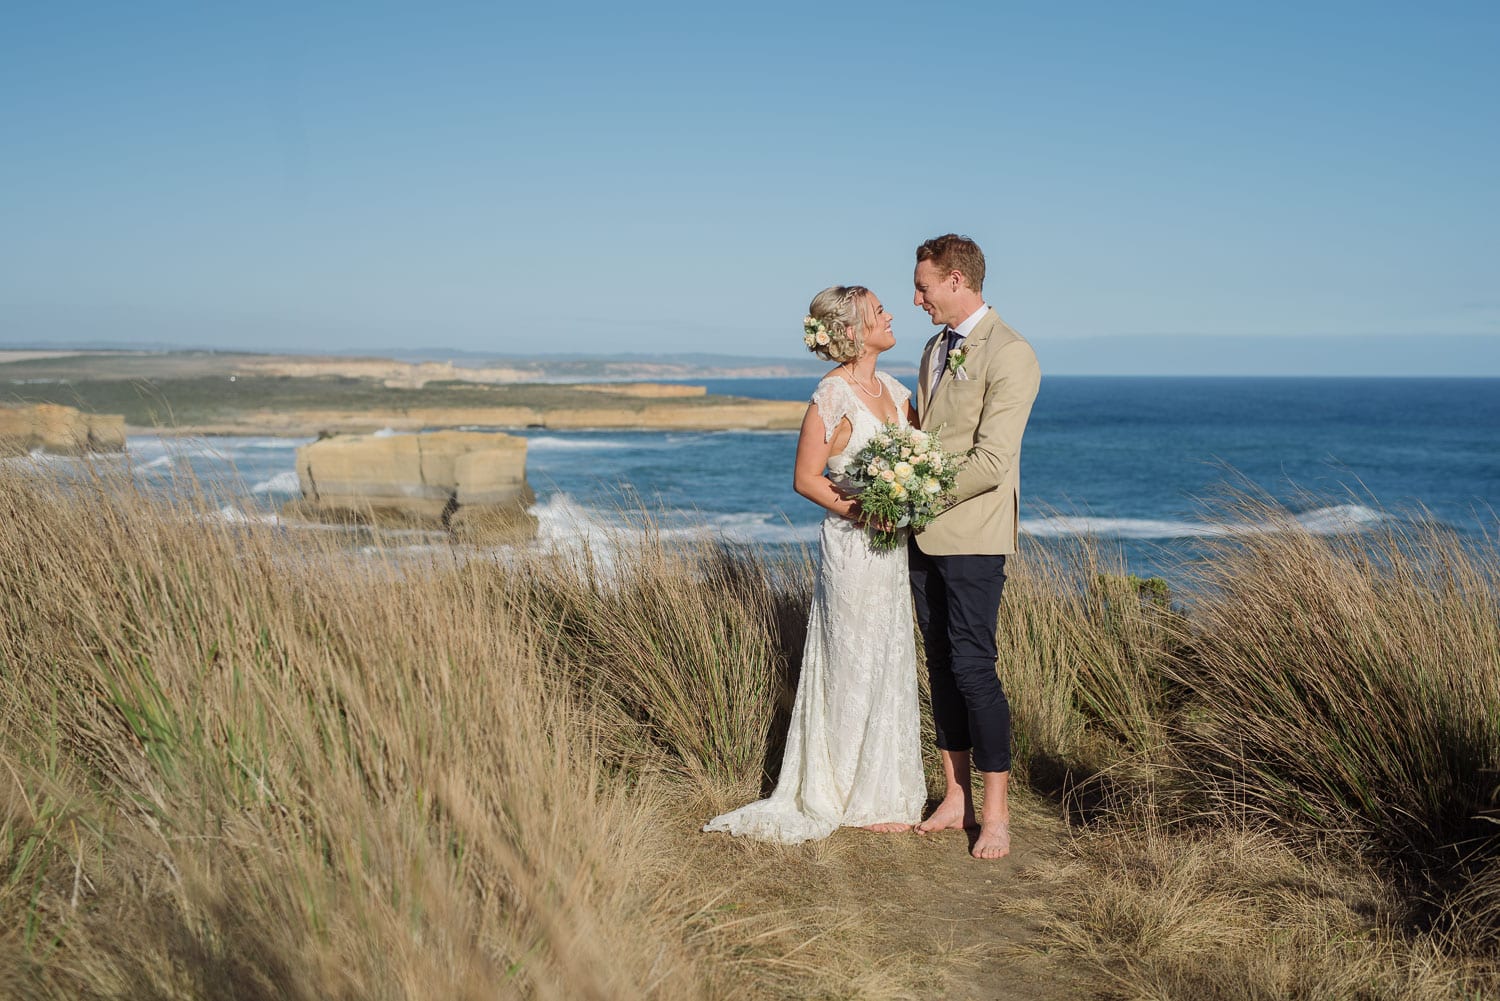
x=470 y=482
x=58 y=430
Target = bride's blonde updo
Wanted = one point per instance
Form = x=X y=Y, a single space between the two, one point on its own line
x=834 y=327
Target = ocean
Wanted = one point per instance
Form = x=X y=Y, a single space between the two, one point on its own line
x=1129 y=460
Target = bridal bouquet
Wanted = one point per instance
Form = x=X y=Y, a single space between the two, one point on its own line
x=902 y=478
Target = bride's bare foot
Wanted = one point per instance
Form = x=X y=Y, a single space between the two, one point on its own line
x=954 y=813
x=993 y=841
x=887 y=828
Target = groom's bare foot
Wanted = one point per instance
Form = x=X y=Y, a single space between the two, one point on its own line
x=954 y=813
x=993 y=841
x=887 y=828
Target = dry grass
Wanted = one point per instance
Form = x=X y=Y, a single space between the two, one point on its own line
x=230 y=768
x=1317 y=817
x=1084 y=653
x=239 y=761
x=1237 y=915
x=242 y=764
x=1348 y=687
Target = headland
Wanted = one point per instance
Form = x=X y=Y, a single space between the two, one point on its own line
x=234 y=393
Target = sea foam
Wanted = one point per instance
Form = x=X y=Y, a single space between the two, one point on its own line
x=282 y=483
x=548 y=444
x=1336 y=520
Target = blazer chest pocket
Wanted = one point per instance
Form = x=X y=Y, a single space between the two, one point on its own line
x=964 y=400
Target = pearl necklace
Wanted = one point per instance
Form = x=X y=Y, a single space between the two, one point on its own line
x=879 y=388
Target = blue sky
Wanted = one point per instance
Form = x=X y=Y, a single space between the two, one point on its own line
x=684 y=177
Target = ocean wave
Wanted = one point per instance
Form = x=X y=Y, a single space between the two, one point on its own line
x=746 y=527
x=385 y=433
x=1336 y=520
x=274 y=444
x=234 y=516
x=37 y=457
x=575 y=444
x=218 y=449
x=282 y=483
x=561 y=519
x=1339 y=519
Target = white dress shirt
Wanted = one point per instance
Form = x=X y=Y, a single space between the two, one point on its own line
x=963 y=330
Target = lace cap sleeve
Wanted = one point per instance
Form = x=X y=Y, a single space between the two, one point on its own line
x=835 y=402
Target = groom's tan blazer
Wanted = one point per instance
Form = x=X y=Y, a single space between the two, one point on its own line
x=982 y=416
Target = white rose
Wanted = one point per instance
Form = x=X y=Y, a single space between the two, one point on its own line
x=822 y=337
x=809 y=340
x=906 y=453
x=887 y=475
x=873 y=469
x=932 y=486
x=904 y=470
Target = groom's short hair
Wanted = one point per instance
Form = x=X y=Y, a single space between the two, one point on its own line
x=951 y=252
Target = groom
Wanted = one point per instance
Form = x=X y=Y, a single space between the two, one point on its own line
x=977 y=381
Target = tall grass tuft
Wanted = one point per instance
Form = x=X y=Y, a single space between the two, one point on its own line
x=688 y=656
x=1084 y=649
x=1349 y=685
x=241 y=760
x=234 y=766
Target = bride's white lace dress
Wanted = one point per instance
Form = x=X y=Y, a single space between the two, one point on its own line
x=853 y=752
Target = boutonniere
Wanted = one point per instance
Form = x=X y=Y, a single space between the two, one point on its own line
x=956 y=359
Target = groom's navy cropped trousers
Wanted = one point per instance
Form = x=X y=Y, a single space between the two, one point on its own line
x=957 y=602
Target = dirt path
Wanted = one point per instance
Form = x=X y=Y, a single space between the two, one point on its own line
x=952 y=902
x=926 y=918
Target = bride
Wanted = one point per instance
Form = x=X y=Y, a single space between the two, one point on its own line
x=853 y=752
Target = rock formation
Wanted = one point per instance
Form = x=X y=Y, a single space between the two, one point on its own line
x=59 y=430
x=471 y=482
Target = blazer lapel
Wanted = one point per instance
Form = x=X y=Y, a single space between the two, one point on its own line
x=973 y=342
x=930 y=359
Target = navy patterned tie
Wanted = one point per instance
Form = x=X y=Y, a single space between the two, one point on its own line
x=950 y=341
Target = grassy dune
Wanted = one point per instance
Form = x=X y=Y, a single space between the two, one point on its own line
x=210 y=400
x=241 y=762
